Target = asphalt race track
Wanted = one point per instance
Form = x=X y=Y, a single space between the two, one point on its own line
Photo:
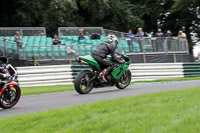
x=42 y=102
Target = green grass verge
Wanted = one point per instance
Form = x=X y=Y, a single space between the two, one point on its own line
x=46 y=89
x=165 y=112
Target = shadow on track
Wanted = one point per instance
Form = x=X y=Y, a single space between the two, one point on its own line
x=101 y=91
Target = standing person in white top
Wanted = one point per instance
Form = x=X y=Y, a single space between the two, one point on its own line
x=70 y=53
x=70 y=50
x=182 y=41
x=112 y=35
x=18 y=40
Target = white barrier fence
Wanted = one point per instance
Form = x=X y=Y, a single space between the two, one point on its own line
x=63 y=74
x=153 y=71
x=45 y=75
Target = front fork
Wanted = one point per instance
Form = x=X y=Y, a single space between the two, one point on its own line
x=2 y=86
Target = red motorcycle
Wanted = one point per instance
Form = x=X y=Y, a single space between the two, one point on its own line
x=10 y=92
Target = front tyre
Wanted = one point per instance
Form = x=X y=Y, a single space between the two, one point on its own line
x=10 y=97
x=81 y=82
x=125 y=80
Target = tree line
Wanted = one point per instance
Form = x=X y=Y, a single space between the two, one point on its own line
x=120 y=15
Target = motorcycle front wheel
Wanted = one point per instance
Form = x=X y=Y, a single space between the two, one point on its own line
x=125 y=80
x=81 y=82
x=10 y=97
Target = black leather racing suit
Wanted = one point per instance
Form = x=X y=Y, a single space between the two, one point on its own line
x=101 y=52
x=1 y=71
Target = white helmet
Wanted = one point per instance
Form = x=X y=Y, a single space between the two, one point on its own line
x=113 y=40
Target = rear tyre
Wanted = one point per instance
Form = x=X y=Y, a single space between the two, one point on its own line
x=10 y=97
x=81 y=82
x=125 y=80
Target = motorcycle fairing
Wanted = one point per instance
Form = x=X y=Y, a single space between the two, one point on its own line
x=89 y=59
x=117 y=73
x=13 y=83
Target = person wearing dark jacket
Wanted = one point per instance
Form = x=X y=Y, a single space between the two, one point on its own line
x=168 y=36
x=159 y=40
x=2 y=75
x=4 y=67
x=81 y=36
x=101 y=52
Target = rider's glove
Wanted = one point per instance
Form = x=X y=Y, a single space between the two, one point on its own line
x=4 y=76
x=122 y=61
x=10 y=78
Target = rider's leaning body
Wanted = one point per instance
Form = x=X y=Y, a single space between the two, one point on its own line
x=3 y=66
x=3 y=76
x=101 y=52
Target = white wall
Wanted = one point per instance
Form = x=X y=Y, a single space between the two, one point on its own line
x=62 y=74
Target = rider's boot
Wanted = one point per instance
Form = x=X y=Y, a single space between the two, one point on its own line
x=103 y=74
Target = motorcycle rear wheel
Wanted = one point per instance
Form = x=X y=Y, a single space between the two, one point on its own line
x=10 y=97
x=125 y=80
x=81 y=82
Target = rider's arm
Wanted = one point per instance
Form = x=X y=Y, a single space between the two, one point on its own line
x=12 y=71
x=2 y=75
x=114 y=57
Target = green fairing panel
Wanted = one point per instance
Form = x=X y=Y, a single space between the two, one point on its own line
x=128 y=62
x=90 y=60
x=117 y=73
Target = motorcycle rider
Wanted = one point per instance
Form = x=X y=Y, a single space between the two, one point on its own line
x=101 y=52
x=2 y=75
x=3 y=66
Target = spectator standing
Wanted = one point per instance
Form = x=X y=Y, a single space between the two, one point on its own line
x=159 y=33
x=168 y=33
x=18 y=40
x=182 y=40
x=130 y=37
x=70 y=53
x=81 y=36
x=168 y=36
x=112 y=35
x=70 y=50
x=159 y=40
x=140 y=39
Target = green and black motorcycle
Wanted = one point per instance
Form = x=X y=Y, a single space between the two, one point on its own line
x=86 y=80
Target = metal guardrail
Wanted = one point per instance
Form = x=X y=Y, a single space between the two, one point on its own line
x=24 y=31
x=7 y=48
x=75 y=31
x=156 y=44
x=140 y=46
x=152 y=44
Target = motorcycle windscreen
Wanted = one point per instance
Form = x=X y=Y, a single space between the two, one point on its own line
x=117 y=73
